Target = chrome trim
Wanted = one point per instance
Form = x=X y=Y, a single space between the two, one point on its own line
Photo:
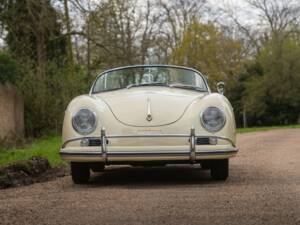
x=219 y=87
x=95 y=125
x=77 y=139
x=149 y=115
x=152 y=153
x=191 y=153
x=150 y=136
x=103 y=144
x=192 y=146
x=90 y=154
x=202 y=123
x=171 y=136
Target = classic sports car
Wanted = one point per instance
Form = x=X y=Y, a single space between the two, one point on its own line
x=149 y=115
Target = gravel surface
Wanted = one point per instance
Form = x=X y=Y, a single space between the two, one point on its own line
x=263 y=188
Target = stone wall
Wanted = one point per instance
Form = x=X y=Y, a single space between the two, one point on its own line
x=11 y=114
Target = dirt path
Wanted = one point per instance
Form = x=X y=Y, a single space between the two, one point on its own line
x=263 y=188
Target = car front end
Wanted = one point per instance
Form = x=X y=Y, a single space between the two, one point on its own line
x=151 y=124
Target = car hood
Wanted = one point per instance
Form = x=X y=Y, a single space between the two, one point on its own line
x=149 y=106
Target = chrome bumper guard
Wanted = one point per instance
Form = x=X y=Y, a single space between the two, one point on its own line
x=192 y=140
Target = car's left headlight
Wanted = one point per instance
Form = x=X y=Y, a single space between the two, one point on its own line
x=213 y=119
x=84 y=121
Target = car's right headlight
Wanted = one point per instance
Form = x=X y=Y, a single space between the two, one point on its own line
x=213 y=119
x=84 y=121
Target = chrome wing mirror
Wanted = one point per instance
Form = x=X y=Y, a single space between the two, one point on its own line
x=221 y=87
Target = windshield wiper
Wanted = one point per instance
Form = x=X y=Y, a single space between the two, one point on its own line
x=148 y=84
x=185 y=86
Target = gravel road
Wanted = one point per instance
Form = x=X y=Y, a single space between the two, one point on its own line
x=263 y=188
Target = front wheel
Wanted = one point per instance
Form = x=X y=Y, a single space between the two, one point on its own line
x=219 y=169
x=80 y=172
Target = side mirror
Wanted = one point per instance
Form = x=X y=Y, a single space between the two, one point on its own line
x=221 y=87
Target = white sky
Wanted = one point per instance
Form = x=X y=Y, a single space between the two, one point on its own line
x=239 y=9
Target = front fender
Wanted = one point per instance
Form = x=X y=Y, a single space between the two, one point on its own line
x=103 y=114
x=216 y=100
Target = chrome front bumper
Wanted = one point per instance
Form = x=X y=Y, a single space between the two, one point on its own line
x=187 y=152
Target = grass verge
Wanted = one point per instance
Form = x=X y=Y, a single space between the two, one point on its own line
x=47 y=147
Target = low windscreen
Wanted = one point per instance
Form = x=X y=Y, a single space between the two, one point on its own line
x=148 y=76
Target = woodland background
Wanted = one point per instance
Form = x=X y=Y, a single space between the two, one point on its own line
x=52 y=51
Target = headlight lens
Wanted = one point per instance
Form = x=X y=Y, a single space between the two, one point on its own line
x=213 y=119
x=84 y=121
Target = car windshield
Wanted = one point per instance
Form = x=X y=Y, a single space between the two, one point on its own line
x=132 y=77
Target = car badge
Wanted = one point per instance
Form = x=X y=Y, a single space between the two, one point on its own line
x=149 y=116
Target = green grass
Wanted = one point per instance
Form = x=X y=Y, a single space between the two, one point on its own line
x=255 y=129
x=47 y=147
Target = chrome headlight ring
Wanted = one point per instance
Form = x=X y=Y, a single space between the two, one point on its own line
x=212 y=119
x=84 y=121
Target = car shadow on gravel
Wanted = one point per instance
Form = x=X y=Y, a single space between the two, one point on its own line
x=154 y=176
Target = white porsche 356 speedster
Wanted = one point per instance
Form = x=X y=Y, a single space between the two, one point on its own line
x=148 y=115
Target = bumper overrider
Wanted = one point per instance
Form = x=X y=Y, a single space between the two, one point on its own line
x=189 y=152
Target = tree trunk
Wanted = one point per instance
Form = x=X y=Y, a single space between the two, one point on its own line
x=69 y=41
x=244 y=118
x=41 y=56
x=88 y=55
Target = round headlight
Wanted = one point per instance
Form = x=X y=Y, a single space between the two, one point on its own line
x=213 y=119
x=84 y=121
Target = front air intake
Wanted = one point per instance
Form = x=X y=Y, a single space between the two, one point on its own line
x=202 y=141
x=95 y=142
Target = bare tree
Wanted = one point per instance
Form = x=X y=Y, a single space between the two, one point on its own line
x=69 y=40
x=176 y=16
x=130 y=31
x=270 y=18
x=148 y=30
x=121 y=32
x=279 y=15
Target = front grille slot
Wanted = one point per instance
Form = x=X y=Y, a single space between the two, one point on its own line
x=202 y=141
x=95 y=142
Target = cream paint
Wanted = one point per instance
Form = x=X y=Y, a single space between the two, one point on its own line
x=168 y=117
x=138 y=101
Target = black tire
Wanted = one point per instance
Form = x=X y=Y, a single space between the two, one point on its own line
x=97 y=167
x=219 y=169
x=205 y=164
x=80 y=172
